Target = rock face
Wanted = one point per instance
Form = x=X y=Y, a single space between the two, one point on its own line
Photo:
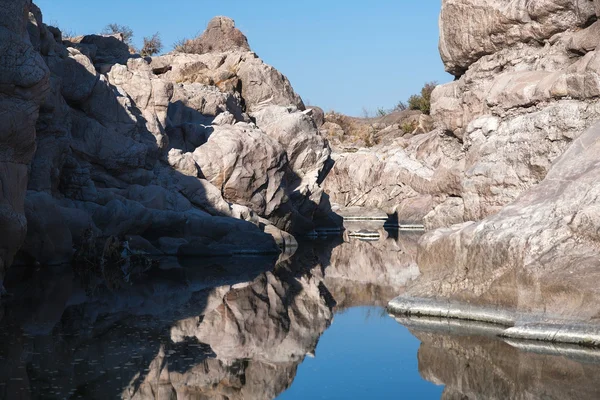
x=528 y=87
x=536 y=255
x=24 y=82
x=160 y=149
x=523 y=113
x=470 y=29
x=405 y=178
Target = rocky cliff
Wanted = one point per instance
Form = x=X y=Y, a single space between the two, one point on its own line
x=524 y=106
x=180 y=154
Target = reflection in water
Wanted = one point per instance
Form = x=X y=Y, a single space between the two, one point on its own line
x=484 y=367
x=243 y=328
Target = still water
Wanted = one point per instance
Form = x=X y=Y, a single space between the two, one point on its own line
x=365 y=354
x=308 y=325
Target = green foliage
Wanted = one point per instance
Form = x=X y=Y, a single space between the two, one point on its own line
x=152 y=45
x=382 y=112
x=422 y=102
x=408 y=127
x=127 y=32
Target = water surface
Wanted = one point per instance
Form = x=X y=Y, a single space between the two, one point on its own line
x=307 y=325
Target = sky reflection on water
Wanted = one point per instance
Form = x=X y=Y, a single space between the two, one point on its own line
x=364 y=354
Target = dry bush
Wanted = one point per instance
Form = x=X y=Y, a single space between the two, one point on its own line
x=353 y=129
x=152 y=45
x=189 y=46
x=114 y=29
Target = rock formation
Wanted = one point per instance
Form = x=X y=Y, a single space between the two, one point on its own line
x=164 y=149
x=24 y=83
x=524 y=106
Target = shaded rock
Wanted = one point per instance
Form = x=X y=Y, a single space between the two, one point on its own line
x=318 y=115
x=108 y=49
x=49 y=239
x=23 y=86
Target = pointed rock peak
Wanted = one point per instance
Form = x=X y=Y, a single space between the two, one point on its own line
x=221 y=35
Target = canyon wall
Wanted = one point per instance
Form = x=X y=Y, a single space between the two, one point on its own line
x=180 y=154
x=525 y=106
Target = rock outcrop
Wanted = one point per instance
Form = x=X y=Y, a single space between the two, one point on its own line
x=528 y=87
x=525 y=109
x=24 y=83
x=103 y=141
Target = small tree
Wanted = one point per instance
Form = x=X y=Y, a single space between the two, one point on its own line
x=152 y=45
x=422 y=102
x=127 y=32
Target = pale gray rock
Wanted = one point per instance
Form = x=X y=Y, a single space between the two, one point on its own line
x=470 y=29
x=258 y=84
x=407 y=182
x=518 y=108
x=536 y=255
x=246 y=165
x=307 y=150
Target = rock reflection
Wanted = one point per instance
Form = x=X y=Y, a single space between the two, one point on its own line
x=485 y=367
x=217 y=328
x=371 y=273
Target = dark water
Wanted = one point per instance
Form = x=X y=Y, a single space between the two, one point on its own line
x=307 y=325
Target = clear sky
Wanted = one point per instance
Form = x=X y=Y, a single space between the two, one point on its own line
x=340 y=55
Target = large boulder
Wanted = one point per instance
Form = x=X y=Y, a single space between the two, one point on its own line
x=246 y=165
x=259 y=84
x=470 y=29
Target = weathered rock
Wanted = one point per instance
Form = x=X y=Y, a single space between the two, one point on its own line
x=149 y=148
x=258 y=84
x=470 y=29
x=49 y=239
x=518 y=104
x=246 y=165
x=536 y=255
x=407 y=183
x=318 y=115
x=307 y=150
x=220 y=35
x=23 y=86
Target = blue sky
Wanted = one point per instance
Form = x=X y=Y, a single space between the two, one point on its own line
x=340 y=55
